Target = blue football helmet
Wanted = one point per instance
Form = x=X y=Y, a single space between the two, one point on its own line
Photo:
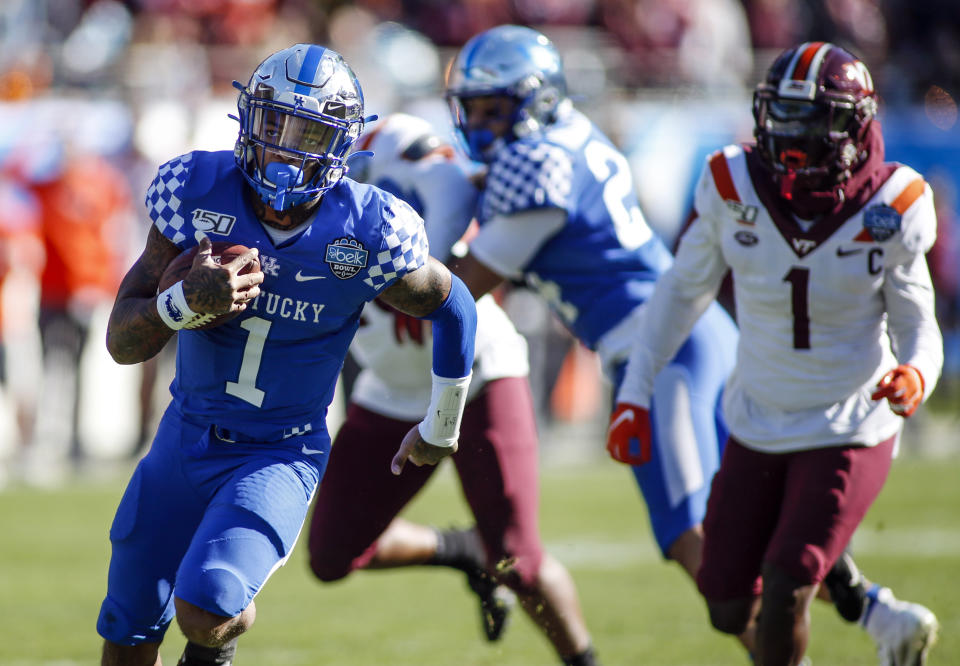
x=508 y=61
x=299 y=116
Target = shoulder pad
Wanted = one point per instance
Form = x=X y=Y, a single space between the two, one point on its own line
x=720 y=170
x=912 y=198
x=181 y=179
x=908 y=195
x=403 y=245
x=717 y=185
x=904 y=206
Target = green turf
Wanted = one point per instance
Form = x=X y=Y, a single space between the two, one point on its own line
x=54 y=554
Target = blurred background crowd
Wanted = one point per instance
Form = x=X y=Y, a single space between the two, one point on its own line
x=96 y=94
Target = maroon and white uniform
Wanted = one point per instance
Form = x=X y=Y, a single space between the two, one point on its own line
x=820 y=311
x=824 y=310
x=497 y=458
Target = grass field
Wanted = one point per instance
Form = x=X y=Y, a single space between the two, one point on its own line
x=640 y=610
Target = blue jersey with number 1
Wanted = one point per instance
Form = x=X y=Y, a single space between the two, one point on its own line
x=270 y=373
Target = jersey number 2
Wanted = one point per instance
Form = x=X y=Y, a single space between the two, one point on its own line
x=799 y=279
x=610 y=168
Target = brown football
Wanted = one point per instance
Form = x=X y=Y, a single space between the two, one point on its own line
x=223 y=252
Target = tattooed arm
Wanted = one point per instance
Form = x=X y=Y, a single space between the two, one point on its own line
x=420 y=292
x=136 y=332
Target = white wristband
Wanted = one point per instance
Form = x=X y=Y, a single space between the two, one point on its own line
x=441 y=427
x=173 y=309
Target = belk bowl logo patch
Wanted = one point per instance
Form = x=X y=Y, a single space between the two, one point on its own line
x=881 y=222
x=346 y=257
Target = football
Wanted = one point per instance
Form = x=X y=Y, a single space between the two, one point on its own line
x=223 y=252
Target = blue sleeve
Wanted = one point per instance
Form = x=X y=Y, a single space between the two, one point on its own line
x=454 y=332
x=404 y=246
x=180 y=186
x=165 y=199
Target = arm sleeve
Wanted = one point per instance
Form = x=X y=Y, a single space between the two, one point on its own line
x=449 y=201
x=454 y=332
x=682 y=294
x=507 y=243
x=909 y=297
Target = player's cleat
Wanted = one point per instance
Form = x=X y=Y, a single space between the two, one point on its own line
x=496 y=602
x=904 y=632
x=848 y=588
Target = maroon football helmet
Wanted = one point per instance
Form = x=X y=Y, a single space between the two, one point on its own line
x=812 y=115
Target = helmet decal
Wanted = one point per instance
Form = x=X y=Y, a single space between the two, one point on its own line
x=800 y=79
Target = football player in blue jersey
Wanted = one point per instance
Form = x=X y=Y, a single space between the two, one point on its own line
x=559 y=211
x=216 y=505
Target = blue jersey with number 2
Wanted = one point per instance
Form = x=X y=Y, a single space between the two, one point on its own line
x=572 y=166
x=271 y=372
x=594 y=271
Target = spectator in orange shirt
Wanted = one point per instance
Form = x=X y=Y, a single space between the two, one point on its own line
x=83 y=210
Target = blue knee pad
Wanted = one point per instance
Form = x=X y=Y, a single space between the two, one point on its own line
x=219 y=590
x=225 y=567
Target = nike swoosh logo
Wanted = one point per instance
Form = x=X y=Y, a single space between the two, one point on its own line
x=846 y=253
x=625 y=416
x=300 y=277
x=310 y=452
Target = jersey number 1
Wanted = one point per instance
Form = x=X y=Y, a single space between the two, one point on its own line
x=245 y=387
x=799 y=279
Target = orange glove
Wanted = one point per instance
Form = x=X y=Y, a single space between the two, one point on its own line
x=628 y=437
x=903 y=387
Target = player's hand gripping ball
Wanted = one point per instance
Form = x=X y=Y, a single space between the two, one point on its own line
x=222 y=252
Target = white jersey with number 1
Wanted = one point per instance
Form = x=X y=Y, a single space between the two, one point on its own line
x=823 y=313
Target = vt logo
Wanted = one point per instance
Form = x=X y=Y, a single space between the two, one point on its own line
x=803 y=246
